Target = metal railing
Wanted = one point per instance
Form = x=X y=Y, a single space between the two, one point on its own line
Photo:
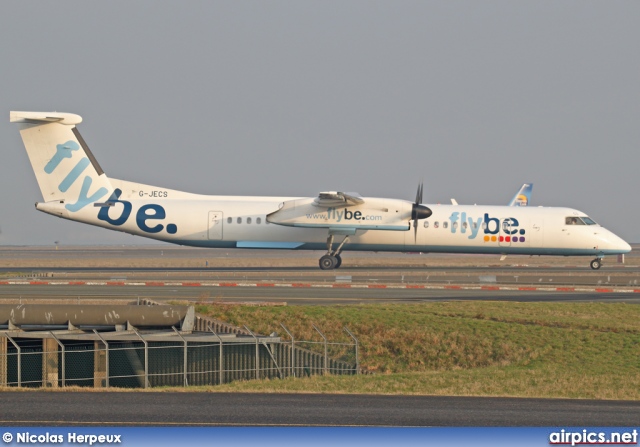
x=143 y=362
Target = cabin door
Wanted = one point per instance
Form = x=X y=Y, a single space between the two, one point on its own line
x=513 y=233
x=215 y=225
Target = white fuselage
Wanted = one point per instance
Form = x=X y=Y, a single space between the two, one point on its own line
x=241 y=222
x=74 y=187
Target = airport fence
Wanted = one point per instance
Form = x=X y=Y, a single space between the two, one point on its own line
x=196 y=359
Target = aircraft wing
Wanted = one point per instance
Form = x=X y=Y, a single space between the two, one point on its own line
x=335 y=198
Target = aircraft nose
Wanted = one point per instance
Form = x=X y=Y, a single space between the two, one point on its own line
x=624 y=246
x=619 y=245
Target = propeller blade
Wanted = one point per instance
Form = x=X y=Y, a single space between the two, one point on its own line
x=419 y=211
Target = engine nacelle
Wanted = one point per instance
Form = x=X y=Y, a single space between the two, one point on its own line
x=371 y=214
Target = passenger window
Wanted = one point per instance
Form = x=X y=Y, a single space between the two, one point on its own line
x=445 y=224
x=258 y=220
x=248 y=220
x=426 y=224
x=475 y=225
x=454 y=225
x=436 y=224
x=464 y=225
x=239 y=220
x=484 y=225
x=229 y=219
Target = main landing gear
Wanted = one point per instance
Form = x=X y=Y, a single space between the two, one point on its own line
x=332 y=259
x=596 y=263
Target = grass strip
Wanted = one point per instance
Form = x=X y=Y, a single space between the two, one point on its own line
x=563 y=350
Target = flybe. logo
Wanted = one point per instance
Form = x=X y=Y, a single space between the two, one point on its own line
x=66 y=150
x=144 y=217
x=494 y=229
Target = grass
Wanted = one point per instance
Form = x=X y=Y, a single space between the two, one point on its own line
x=554 y=350
x=583 y=350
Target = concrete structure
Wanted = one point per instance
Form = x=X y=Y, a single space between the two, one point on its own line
x=98 y=346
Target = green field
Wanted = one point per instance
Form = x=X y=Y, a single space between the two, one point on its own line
x=584 y=350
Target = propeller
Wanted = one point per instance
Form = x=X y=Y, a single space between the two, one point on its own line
x=419 y=211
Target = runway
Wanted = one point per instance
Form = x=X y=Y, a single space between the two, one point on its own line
x=251 y=409
x=290 y=295
x=82 y=281
x=167 y=273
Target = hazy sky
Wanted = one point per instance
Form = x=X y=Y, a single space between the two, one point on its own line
x=293 y=98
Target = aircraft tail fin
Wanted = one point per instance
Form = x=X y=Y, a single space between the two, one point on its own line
x=522 y=197
x=65 y=168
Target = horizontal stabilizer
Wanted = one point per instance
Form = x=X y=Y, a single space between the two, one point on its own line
x=44 y=117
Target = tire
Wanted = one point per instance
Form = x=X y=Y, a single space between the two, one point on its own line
x=327 y=262
x=338 y=261
x=596 y=264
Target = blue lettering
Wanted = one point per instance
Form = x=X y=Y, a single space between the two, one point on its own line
x=489 y=220
x=454 y=218
x=126 y=210
x=475 y=227
x=74 y=174
x=84 y=199
x=491 y=224
x=62 y=151
x=142 y=217
x=513 y=224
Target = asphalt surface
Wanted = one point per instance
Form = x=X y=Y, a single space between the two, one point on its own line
x=364 y=272
x=164 y=408
x=290 y=295
x=151 y=408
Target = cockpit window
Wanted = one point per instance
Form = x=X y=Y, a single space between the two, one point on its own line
x=575 y=220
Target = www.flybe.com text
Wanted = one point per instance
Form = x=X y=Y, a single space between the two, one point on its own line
x=339 y=215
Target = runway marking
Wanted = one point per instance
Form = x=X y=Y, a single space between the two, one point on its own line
x=337 y=285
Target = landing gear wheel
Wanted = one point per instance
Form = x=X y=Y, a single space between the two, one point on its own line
x=338 y=261
x=595 y=264
x=328 y=262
